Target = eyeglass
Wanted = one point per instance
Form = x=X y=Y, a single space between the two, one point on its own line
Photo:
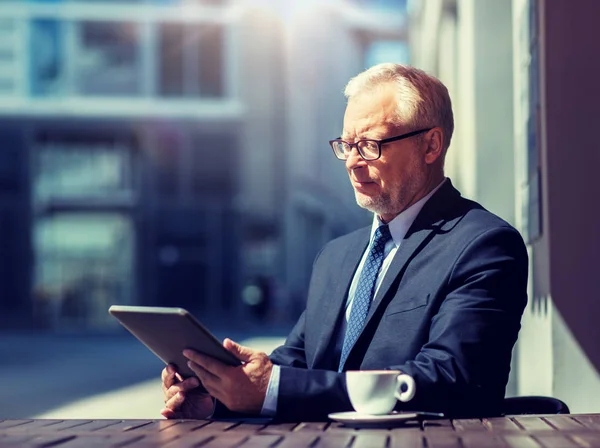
x=368 y=149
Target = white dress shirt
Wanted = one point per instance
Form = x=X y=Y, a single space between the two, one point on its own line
x=398 y=228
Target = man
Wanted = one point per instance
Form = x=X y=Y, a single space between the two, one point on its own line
x=435 y=287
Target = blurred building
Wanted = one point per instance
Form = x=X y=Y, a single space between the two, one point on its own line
x=522 y=76
x=328 y=43
x=169 y=153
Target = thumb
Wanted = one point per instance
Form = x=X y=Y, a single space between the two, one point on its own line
x=239 y=351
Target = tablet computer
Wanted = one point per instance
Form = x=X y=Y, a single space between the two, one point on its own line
x=168 y=331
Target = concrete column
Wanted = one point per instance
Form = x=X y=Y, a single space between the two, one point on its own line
x=484 y=120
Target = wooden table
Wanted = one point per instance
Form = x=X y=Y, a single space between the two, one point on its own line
x=531 y=431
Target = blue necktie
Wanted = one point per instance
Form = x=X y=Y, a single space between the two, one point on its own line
x=365 y=290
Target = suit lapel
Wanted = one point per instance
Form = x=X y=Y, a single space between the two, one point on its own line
x=409 y=248
x=431 y=218
x=335 y=304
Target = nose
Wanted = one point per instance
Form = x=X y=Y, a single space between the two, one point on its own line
x=354 y=159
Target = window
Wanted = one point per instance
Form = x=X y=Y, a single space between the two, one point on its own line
x=108 y=62
x=72 y=166
x=83 y=264
x=191 y=59
x=171 y=48
x=47 y=72
x=9 y=62
x=210 y=60
x=84 y=254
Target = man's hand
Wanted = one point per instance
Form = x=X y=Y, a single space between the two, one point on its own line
x=241 y=388
x=182 y=400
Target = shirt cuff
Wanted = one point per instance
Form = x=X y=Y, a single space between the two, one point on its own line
x=269 y=407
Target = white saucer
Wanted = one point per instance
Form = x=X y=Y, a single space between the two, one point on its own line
x=356 y=418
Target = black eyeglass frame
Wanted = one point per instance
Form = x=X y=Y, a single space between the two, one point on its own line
x=378 y=142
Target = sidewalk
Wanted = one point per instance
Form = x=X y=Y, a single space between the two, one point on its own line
x=85 y=376
x=138 y=401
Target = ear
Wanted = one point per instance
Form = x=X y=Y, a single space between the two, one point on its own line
x=434 y=141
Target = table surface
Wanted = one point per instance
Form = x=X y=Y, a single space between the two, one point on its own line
x=548 y=431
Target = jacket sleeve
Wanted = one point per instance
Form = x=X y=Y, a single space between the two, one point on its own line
x=292 y=353
x=464 y=366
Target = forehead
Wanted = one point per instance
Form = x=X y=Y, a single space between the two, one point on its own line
x=370 y=112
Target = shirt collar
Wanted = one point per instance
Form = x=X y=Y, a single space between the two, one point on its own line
x=400 y=224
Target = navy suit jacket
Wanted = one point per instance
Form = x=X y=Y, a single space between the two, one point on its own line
x=447 y=312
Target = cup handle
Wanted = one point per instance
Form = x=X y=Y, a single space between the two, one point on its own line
x=409 y=393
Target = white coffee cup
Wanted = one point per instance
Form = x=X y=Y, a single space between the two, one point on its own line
x=376 y=391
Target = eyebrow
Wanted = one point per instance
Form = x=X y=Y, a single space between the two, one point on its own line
x=375 y=136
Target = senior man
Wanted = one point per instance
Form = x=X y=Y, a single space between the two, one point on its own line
x=435 y=287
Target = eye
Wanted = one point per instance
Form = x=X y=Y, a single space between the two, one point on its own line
x=370 y=145
x=345 y=146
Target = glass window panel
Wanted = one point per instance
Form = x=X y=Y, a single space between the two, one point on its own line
x=108 y=62
x=83 y=264
x=46 y=57
x=72 y=168
x=191 y=59
x=9 y=65
x=211 y=60
x=171 y=45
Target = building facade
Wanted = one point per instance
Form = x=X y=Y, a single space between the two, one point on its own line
x=173 y=153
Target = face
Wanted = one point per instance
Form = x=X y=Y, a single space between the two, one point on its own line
x=400 y=177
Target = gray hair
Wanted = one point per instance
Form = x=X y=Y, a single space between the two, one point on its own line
x=423 y=101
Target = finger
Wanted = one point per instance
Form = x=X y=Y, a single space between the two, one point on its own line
x=239 y=351
x=185 y=386
x=169 y=414
x=175 y=402
x=168 y=376
x=206 y=362
x=207 y=378
x=189 y=383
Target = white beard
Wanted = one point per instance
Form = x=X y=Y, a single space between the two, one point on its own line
x=396 y=198
x=380 y=205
